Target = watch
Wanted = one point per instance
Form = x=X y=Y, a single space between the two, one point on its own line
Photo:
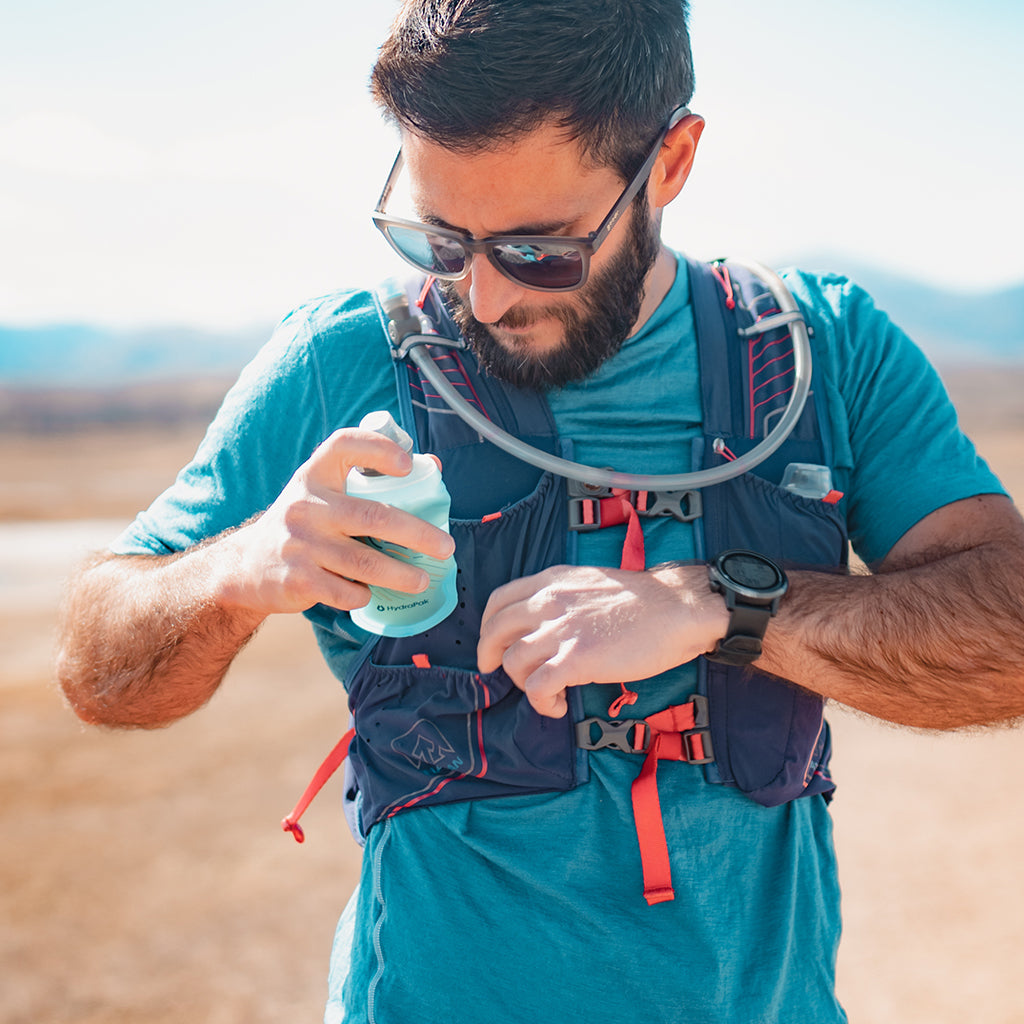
x=752 y=586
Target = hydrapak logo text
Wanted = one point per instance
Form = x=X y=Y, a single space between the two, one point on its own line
x=401 y=607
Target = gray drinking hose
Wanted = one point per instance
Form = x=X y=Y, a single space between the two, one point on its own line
x=396 y=309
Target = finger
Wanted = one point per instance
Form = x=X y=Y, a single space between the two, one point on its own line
x=514 y=592
x=360 y=517
x=545 y=689
x=349 y=448
x=365 y=562
x=508 y=619
x=338 y=592
x=540 y=666
x=550 y=706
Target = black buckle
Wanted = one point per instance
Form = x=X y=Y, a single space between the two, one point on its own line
x=614 y=733
x=701 y=728
x=682 y=505
x=581 y=495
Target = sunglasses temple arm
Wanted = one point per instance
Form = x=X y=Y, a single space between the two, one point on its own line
x=638 y=182
x=385 y=195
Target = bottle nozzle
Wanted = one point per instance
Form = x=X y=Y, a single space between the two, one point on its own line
x=382 y=422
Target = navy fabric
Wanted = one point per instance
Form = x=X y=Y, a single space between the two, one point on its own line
x=452 y=734
x=770 y=737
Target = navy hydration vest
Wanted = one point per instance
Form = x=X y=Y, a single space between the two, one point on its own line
x=429 y=728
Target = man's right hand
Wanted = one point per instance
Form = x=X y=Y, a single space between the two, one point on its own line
x=302 y=551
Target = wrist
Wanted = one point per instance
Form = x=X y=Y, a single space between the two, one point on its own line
x=700 y=617
x=214 y=573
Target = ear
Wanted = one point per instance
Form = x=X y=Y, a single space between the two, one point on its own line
x=672 y=167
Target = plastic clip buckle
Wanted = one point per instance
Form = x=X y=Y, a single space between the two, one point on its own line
x=614 y=733
x=701 y=728
x=585 y=505
x=682 y=505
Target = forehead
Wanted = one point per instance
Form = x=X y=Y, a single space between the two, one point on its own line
x=539 y=179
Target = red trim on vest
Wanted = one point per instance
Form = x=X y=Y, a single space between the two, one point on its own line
x=480 y=728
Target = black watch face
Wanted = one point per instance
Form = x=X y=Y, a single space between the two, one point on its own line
x=750 y=571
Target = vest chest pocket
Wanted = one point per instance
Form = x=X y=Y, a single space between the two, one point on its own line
x=440 y=734
x=770 y=736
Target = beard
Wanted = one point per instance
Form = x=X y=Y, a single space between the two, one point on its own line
x=594 y=328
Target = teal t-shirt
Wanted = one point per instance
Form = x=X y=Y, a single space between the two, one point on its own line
x=530 y=908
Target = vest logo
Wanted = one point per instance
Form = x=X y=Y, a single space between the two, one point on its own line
x=426 y=749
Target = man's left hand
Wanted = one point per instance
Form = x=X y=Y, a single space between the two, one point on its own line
x=571 y=625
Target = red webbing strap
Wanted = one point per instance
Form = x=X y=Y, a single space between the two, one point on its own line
x=666 y=745
x=323 y=773
x=633 y=555
x=633 y=558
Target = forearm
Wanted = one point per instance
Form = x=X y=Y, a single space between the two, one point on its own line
x=938 y=644
x=147 y=640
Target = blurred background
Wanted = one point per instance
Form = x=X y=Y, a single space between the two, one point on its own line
x=173 y=179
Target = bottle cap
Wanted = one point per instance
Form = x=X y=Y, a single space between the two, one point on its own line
x=382 y=422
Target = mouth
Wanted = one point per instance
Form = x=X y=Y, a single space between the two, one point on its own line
x=517 y=330
x=528 y=340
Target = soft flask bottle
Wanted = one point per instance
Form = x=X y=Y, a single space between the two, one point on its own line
x=422 y=492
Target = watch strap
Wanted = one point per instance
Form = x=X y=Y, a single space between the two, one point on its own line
x=748 y=622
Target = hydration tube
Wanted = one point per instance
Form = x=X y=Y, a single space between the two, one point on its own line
x=409 y=342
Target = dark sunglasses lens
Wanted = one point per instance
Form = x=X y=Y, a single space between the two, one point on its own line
x=435 y=254
x=542 y=266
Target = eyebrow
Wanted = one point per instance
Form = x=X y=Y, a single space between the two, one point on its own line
x=550 y=228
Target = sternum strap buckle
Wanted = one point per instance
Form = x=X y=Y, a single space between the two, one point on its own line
x=682 y=732
x=593 y=508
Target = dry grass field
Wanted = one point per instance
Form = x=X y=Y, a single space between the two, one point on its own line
x=144 y=878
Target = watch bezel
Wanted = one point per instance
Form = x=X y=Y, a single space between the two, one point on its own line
x=767 y=596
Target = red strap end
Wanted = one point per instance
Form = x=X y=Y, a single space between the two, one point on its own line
x=659 y=895
x=295 y=828
x=625 y=698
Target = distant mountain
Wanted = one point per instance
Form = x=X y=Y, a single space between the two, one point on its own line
x=84 y=356
x=952 y=327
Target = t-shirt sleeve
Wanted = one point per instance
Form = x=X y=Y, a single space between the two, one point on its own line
x=898 y=444
x=285 y=402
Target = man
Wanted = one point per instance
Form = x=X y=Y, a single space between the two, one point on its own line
x=522 y=118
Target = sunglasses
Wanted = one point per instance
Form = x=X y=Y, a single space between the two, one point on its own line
x=550 y=263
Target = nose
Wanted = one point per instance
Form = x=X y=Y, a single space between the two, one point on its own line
x=491 y=295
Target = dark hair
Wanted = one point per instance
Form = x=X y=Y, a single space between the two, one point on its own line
x=470 y=74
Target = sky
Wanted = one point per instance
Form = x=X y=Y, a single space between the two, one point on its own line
x=215 y=163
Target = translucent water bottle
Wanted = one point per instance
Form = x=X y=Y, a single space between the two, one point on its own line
x=422 y=492
x=807 y=479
